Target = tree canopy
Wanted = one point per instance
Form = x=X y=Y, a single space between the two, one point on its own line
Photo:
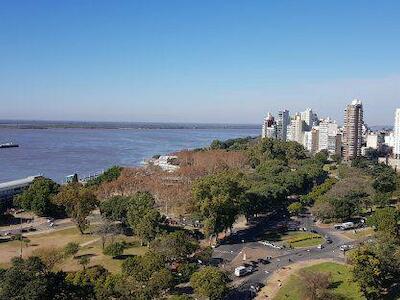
x=78 y=202
x=38 y=198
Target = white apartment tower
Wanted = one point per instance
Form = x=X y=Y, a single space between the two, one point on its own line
x=269 y=127
x=310 y=118
x=296 y=130
x=352 y=130
x=396 y=150
x=327 y=137
x=282 y=124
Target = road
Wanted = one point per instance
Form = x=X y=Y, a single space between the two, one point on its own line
x=247 y=238
x=41 y=225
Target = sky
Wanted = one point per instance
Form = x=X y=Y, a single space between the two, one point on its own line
x=197 y=61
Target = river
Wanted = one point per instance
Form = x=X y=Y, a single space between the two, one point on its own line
x=58 y=152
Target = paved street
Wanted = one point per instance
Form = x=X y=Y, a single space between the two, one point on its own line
x=232 y=250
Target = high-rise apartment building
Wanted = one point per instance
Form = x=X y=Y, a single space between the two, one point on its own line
x=327 y=136
x=396 y=149
x=296 y=129
x=282 y=124
x=352 y=130
x=269 y=127
x=310 y=118
x=307 y=117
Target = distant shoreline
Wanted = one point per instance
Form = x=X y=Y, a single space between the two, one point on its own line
x=8 y=124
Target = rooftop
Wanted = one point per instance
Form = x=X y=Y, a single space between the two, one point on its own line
x=16 y=183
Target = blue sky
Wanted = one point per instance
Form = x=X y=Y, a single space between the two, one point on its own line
x=197 y=61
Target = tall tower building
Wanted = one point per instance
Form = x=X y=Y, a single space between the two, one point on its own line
x=396 y=150
x=296 y=130
x=309 y=117
x=328 y=131
x=352 y=130
x=269 y=127
x=281 y=124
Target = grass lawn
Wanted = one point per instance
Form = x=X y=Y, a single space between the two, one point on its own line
x=359 y=233
x=296 y=239
x=95 y=252
x=58 y=239
x=342 y=283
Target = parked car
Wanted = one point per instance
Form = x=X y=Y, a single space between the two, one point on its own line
x=263 y=261
x=346 y=247
x=243 y=270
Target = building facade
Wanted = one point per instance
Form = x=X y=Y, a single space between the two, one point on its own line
x=296 y=130
x=269 y=127
x=396 y=133
x=352 y=130
x=12 y=188
x=282 y=123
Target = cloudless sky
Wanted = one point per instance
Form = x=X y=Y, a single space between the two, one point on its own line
x=197 y=61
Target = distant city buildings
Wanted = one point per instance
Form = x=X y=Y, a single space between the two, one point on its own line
x=396 y=134
x=304 y=128
x=375 y=139
x=352 y=140
x=352 y=130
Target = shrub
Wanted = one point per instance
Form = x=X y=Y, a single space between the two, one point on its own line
x=115 y=249
x=71 y=249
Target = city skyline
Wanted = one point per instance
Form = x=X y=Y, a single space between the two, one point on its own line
x=152 y=61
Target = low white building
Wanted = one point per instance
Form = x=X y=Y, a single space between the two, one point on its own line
x=11 y=188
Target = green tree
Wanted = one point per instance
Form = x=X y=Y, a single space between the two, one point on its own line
x=143 y=218
x=37 y=198
x=148 y=226
x=142 y=267
x=386 y=220
x=345 y=207
x=367 y=272
x=381 y=199
x=217 y=144
x=115 y=249
x=322 y=156
x=219 y=198
x=115 y=208
x=71 y=249
x=84 y=261
x=109 y=175
x=210 y=282
x=295 y=208
x=175 y=245
x=386 y=181
x=78 y=201
x=30 y=279
x=161 y=280
x=186 y=270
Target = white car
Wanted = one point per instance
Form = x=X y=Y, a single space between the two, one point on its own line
x=320 y=247
x=346 y=247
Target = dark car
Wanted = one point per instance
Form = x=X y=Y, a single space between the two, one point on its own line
x=263 y=261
